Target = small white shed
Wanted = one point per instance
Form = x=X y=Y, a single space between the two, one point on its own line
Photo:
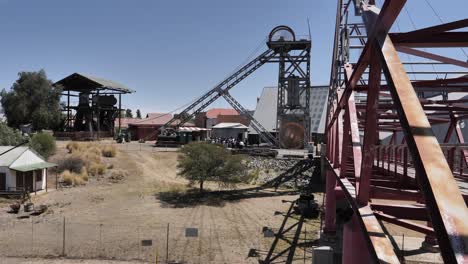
x=22 y=169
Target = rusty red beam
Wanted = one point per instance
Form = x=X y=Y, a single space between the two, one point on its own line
x=444 y=27
x=380 y=247
x=440 y=40
x=432 y=56
x=404 y=223
x=441 y=192
x=403 y=211
x=370 y=131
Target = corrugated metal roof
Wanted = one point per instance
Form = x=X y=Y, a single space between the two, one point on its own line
x=191 y=129
x=8 y=158
x=153 y=119
x=215 y=112
x=35 y=166
x=84 y=82
x=230 y=125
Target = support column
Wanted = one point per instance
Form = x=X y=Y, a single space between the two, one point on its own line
x=370 y=135
x=355 y=249
x=330 y=206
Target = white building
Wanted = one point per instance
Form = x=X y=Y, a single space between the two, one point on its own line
x=266 y=109
x=22 y=169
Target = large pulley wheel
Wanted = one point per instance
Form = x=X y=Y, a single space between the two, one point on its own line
x=292 y=136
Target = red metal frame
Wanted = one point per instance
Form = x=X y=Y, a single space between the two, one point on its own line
x=420 y=169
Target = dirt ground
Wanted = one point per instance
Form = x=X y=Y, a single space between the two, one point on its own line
x=109 y=219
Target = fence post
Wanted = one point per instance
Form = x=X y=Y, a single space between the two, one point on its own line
x=167 y=243
x=32 y=236
x=101 y=248
x=63 y=238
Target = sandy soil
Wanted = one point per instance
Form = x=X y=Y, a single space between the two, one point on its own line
x=105 y=219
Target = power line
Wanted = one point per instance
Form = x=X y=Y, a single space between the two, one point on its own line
x=414 y=27
x=442 y=21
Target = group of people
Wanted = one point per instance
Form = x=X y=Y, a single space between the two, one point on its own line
x=229 y=142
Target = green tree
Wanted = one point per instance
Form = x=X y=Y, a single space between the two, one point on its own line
x=200 y=162
x=128 y=113
x=32 y=99
x=44 y=144
x=10 y=136
x=138 y=113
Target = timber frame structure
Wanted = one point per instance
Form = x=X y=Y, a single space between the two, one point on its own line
x=418 y=178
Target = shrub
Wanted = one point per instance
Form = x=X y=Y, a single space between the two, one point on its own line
x=109 y=151
x=44 y=144
x=84 y=174
x=67 y=177
x=90 y=157
x=73 y=146
x=77 y=180
x=72 y=163
x=97 y=169
x=70 y=178
x=117 y=175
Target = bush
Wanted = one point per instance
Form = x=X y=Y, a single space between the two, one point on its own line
x=70 y=178
x=97 y=169
x=73 y=164
x=73 y=146
x=109 y=151
x=117 y=175
x=84 y=174
x=67 y=177
x=44 y=144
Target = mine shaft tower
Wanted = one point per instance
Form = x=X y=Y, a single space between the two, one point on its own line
x=293 y=105
x=293 y=118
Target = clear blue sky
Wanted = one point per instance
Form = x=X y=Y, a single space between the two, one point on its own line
x=169 y=51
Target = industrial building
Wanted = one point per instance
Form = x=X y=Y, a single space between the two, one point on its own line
x=266 y=112
x=92 y=106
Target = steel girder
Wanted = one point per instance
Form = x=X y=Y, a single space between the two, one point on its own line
x=420 y=170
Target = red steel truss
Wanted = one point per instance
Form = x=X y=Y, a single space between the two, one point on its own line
x=417 y=177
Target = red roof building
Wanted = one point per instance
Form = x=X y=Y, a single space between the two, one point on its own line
x=210 y=118
x=147 y=128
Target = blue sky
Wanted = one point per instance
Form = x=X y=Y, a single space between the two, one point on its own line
x=169 y=51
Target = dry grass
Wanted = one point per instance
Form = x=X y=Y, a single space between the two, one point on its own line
x=74 y=179
x=85 y=160
x=109 y=151
x=96 y=169
x=118 y=175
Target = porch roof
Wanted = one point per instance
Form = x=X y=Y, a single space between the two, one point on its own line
x=34 y=166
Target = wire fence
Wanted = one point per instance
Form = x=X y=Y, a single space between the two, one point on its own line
x=164 y=243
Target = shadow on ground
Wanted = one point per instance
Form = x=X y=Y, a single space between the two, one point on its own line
x=193 y=197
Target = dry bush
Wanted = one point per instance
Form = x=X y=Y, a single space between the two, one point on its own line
x=109 y=151
x=67 y=177
x=117 y=175
x=73 y=163
x=74 y=179
x=84 y=174
x=97 y=169
x=73 y=147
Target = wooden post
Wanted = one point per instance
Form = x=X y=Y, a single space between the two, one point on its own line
x=63 y=239
x=167 y=243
